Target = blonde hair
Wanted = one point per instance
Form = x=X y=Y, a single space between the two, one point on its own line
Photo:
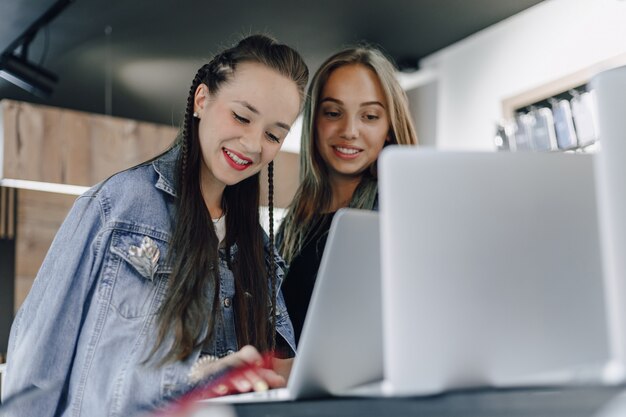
x=314 y=193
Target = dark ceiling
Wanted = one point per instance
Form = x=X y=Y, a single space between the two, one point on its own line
x=143 y=68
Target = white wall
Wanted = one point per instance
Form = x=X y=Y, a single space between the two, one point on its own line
x=546 y=42
x=292 y=141
x=423 y=106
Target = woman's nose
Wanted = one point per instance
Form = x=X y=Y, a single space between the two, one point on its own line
x=350 y=128
x=252 y=142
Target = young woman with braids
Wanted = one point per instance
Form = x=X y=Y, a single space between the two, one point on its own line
x=354 y=107
x=162 y=273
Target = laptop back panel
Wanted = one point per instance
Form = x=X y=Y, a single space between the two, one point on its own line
x=341 y=347
x=491 y=269
x=610 y=89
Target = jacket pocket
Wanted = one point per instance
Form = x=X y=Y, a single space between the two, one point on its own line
x=140 y=275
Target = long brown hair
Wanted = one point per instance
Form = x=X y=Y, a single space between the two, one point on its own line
x=315 y=192
x=194 y=244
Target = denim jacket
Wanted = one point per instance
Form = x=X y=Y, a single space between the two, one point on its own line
x=89 y=322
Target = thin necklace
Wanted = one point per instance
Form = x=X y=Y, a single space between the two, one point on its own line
x=219 y=218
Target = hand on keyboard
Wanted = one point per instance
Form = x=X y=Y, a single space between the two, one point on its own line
x=243 y=371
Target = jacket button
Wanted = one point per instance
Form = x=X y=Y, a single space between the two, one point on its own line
x=226 y=302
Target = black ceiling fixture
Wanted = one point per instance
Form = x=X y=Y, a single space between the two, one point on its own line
x=14 y=64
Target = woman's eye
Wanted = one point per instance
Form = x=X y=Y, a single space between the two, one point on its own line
x=371 y=117
x=272 y=137
x=331 y=114
x=240 y=119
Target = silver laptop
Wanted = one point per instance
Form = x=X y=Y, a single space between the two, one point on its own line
x=491 y=270
x=340 y=347
x=610 y=89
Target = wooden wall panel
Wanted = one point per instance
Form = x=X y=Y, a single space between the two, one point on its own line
x=49 y=144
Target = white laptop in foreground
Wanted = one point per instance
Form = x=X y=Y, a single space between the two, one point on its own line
x=340 y=347
x=491 y=270
x=610 y=89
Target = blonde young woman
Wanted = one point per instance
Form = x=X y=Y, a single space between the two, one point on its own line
x=354 y=108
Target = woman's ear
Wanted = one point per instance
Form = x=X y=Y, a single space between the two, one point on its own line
x=200 y=98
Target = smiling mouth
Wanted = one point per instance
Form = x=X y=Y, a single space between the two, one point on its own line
x=236 y=159
x=239 y=162
x=346 y=151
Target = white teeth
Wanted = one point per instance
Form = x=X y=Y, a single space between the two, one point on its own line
x=347 y=151
x=235 y=158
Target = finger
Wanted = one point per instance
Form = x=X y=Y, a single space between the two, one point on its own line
x=273 y=379
x=250 y=355
x=241 y=384
x=258 y=383
x=247 y=355
x=221 y=389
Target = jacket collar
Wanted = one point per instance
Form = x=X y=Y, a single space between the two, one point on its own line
x=165 y=167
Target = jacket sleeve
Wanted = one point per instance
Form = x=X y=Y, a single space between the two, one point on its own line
x=45 y=332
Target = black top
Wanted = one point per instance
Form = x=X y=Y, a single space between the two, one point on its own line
x=299 y=281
